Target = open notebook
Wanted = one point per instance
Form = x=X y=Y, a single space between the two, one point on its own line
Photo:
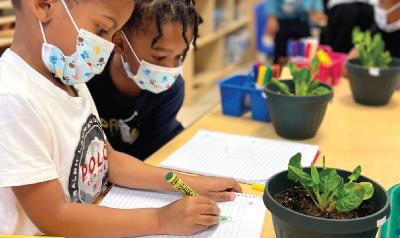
x=246 y=213
x=247 y=159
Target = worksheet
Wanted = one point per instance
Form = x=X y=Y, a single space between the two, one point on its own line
x=244 y=217
x=247 y=159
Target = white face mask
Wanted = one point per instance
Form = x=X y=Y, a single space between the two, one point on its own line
x=381 y=18
x=150 y=77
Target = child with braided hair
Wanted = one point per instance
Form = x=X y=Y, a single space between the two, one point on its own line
x=141 y=90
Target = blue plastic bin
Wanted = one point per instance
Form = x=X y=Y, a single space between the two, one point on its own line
x=239 y=95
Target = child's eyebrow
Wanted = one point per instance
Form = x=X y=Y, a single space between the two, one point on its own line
x=112 y=20
x=163 y=49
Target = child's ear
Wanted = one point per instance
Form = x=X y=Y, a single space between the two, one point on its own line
x=119 y=41
x=43 y=9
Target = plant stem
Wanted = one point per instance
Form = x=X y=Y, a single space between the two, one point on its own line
x=311 y=195
x=318 y=196
x=331 y=207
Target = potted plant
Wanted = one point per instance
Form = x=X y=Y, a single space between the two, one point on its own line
x=374 y=75
x=325 y=203
x=297 y=107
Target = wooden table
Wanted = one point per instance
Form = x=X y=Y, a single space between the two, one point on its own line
x=350 y=135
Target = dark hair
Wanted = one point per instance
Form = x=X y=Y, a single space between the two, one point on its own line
x=165 y=11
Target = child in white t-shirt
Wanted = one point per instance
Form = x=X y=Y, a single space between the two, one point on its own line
x=55 y=158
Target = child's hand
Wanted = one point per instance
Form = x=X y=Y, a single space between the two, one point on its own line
x=188 y=216
x=318 y=18
x=272 y=26
x=215 y=188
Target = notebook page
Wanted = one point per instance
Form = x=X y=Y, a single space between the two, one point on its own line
x=247 y=159
x=247 y=212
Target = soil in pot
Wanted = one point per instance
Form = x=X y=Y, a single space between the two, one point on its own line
x=297 y=199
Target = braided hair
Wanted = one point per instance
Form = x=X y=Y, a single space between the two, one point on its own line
x=166 y=11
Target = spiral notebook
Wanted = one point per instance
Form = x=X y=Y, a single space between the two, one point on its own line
x=247 y=159
x=246 y=214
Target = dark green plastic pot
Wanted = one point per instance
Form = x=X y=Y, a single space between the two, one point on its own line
x=373 y=88
x=291 y=224
x=293 y=117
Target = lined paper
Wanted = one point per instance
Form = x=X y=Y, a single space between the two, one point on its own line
x=247 y=212
x=247 y=159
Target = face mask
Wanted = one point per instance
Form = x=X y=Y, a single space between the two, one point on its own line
x=150 y=77
x=381 y=18
x=90 y=58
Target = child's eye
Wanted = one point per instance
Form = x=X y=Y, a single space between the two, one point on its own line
x=180 y=59
x=159 y=58
x=102 y=31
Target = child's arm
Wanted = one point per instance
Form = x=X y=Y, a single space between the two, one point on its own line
x=46 y=206
x=129 y=172
x=271 y=9
x=315 y=9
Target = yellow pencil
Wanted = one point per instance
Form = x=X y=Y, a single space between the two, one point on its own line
x=258 y=187
x=179 y=185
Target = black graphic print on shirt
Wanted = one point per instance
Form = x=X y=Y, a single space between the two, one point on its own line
x=89 y=170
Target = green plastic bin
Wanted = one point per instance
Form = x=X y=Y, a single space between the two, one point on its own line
x=391 y=229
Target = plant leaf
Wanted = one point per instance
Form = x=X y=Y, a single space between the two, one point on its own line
x=314 y=84
x=369 y=190
x=350 y=197
x=295 y=161
x=315 y=66
x=371 y=49
x=355 y=175
x=301 y=176
x=321 y=90
x=329 y=180
x=314 y=175
x=282 y=86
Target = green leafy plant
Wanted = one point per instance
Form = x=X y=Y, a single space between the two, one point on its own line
x=327 y=189
x=304 y=85
x=371 y=49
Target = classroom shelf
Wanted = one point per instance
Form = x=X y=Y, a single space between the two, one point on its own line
x=5 y=5
x=207 y=79
x=7 y=19
x=6 y=37
x=211 y=61
x=222 y=32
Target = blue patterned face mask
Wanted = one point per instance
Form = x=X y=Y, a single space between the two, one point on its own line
x=90 y=58
x=150 y=77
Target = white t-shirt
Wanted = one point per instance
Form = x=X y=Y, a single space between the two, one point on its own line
x=333 y=3
x=45 y=134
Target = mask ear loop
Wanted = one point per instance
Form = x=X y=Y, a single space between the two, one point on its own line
x=393 y=8
x=130 y=46
x=69 y=15
x=42 y=30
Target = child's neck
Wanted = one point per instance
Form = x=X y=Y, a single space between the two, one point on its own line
x=120 y=79
x=30 y=50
